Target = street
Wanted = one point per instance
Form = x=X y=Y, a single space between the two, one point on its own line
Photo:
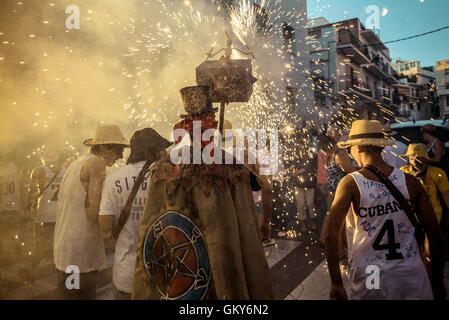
x=297 y=266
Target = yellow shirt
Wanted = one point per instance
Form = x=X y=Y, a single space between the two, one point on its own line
x=436 y=179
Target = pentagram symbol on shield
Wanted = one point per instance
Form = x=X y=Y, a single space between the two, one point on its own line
x=176 y=257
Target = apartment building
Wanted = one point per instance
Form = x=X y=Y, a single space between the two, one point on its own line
x=351 y=70
x=416 y=92
x=442 y=84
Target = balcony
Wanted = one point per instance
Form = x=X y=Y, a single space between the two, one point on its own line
x=347 y=84
x=352 y=47
x=405 y=110
x=380 y=70
x=386 y=96
x=373 y=39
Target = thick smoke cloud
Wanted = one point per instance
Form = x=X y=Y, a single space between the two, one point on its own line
x=125 y=65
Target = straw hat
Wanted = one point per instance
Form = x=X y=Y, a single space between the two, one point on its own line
x=366 y=133
x=107 y=134
x=416 y=150
x=196 y=100
x=388 y=131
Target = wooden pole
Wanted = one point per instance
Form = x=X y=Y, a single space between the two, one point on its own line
x=220 y=124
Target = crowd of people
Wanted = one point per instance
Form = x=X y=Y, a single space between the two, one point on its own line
x=194 y=231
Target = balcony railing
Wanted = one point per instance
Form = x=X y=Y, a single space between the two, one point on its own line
x=347 y=37
x=386 y=96
x=348 y=83
x=405 y=110
x=381 y=65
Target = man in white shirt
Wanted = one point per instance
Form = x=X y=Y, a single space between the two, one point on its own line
x=78 y=244
x=146 y=145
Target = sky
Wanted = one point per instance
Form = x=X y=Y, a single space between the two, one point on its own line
x=398 y=19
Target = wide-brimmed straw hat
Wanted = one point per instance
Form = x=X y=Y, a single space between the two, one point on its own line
x=107 y=134
x=388 y=131
x=416 y=150
x=366 y=133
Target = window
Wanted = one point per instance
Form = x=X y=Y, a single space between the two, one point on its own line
x=447 y=102
x=319 y=90
x=413 y=64
x=315 y=32
x=446 y=72
x=419 y=106
x=402 y=67
x=291 y=98
x=288 y=34
x=407 y=66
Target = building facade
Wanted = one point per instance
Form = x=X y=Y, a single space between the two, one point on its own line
x=442 y=84
x=296 y=80
x=351 y=70
x=416 y=92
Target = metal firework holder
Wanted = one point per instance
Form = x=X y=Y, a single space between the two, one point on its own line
x=230 y=80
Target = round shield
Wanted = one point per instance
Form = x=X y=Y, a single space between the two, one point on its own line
x=176 y=257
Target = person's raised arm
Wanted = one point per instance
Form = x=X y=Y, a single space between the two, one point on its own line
x=334 y=222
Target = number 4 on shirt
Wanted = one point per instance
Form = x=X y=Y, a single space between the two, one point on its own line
x=391 y=245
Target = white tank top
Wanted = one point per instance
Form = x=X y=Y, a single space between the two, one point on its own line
x=77 y=241
x=46 y=204
x=9 y=188
x=380 y=234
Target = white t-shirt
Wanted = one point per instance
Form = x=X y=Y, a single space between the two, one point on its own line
x=391 y=154
x=116 y=190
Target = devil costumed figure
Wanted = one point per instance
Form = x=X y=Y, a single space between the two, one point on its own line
x=199 y=237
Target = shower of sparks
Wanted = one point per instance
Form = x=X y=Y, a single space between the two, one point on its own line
x=159 y=57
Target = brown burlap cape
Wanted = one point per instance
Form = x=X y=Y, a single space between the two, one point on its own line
x=218 y=200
